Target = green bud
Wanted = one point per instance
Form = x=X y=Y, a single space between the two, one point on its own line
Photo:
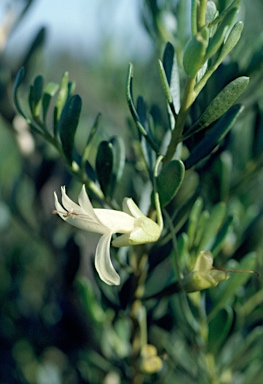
x=150 y=362
x=203 y=275
x=194 y=55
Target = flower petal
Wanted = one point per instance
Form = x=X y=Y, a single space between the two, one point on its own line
x=85 y=204
x=204 y=262
x=59 y=209
x=103 y=262
x=129 y=206
x=68 y=203
x=76 y=220
x=115 y=221
x=76 y=215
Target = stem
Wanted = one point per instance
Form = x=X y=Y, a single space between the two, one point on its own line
x=156 y=195
x=138 y=312
x=201 y=12
x=188 y=99
x=133 y=111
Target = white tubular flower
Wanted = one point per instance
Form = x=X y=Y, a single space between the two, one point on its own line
x=135 y=228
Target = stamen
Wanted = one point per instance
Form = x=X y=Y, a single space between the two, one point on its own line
x=67 y=214
x=236 y=270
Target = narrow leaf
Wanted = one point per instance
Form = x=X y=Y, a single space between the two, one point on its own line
x=118 y=149
x=165 y=83
x=170 y=66
x=222 y=234
x=61 y=100
x=193 y=220
x=18 y=81
x=211 y=12
x=133 y=111
x=231 y=40
x=213 y=138
x=37 y=96
x=223 y=321
x=68 y=124
x=37 y=42
x=235 y=281
x=91 y=135
x=219 y=36
x=104 y=165
x=219 y=105
x=214 y=223
x=49 y=91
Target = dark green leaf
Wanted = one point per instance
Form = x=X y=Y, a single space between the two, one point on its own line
x=118 y=149
x=227 y=291
x=104 y=165
x=169 y=181
x=219 y=328
x=91 y=135
x=61 y=100
x=133 y=111
x=171 y=70
x=36 y=43
x=222 y=234
x=213 y=138
x=18 y=81
x=219 y=105
x=258 y=133
x=219 y=36
x=68 y=124
x=231 y=40
x=49 y=91
x=35 y=96
x=212 y=226
x=165 y=83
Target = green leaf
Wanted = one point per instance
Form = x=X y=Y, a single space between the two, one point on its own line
x=104 y=165
x=37 y=42
x=110 y=162
x=224 y=11
x=211 y=12
x=35 y=97
x=49 y=91
x=213 y=138
x=169 y=181
x=68 y=124
x=219 y=105
x=200 y=228
x=223 y=320
x=228 y=290
x=224 y=169
x=194 y=219
x=194 y=55
x=231 y=40
x=172 y=75
x=118 y=149
x=18 y=81
x=212 y=226
x=61 y=100
x=133 y=111
x=222 y=234
x=216 y=41
x=91 y=135
x=257 y=143
x=165 y=83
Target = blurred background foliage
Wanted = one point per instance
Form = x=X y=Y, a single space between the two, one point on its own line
x=58 y=324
